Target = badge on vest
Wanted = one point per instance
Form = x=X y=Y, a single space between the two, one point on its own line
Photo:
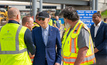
x=8 y=31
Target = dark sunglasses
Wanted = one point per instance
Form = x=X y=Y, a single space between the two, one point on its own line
x=41 y=19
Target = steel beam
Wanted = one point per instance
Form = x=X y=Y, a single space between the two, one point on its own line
x=34 y=8
x=96 y=4
x=93 y=5
x=41 y=1
x=62 y=6
x=73 y=2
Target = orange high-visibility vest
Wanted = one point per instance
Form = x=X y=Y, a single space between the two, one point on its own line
x=70 y=46
x=32 y=59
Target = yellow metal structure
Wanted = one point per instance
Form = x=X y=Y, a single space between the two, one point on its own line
x=3 y=16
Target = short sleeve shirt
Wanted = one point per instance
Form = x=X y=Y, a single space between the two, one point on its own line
x=83 y=38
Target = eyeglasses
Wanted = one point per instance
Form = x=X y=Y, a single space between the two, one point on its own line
x=41 y=19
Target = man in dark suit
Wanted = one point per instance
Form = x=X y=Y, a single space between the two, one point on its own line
x=45 y=39
x=99 y=36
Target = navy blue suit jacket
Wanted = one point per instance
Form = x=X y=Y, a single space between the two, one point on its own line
x=101 y=38
x=47 y=52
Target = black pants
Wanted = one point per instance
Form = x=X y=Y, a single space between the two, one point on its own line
x=46 y=62
x=101 y=59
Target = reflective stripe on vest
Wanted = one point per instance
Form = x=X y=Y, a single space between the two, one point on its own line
x=58 y=20
x=74 y=40
x=72 y=59
x=17 y=45
x=0 y=29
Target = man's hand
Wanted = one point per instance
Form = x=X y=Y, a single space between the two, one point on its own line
x=30 y=55
x=57 y=64
x=96 y=50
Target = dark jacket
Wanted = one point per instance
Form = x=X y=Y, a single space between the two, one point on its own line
x=47 y=52
x=101 y=38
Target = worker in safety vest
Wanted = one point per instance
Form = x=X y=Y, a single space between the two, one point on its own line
x=57 y=22
x=35 y=25
x=27 y=21
x=15 y=40
x=36 y=22
x=77 y=45
x=50 y=21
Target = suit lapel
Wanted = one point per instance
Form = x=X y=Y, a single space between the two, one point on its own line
x=93 y=28
x=40 y=33
x=49 y=34
x=99 y=29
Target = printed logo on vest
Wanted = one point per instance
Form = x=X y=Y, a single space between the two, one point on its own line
x=8 y=31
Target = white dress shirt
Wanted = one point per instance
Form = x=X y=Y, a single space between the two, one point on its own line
x=96 y=28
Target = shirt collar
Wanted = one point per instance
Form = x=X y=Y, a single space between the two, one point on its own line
x=13 y=21
x=98 y=23
x=46 y=28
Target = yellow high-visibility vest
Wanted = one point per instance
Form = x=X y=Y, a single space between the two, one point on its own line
x=35 y=25
x=58 y=20
x=70 y=47
x=13 y=50
x=50 y=22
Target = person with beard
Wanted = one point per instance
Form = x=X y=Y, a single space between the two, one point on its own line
x=77 y=45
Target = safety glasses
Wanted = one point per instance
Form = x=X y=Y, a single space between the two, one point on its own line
x=41 y=19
